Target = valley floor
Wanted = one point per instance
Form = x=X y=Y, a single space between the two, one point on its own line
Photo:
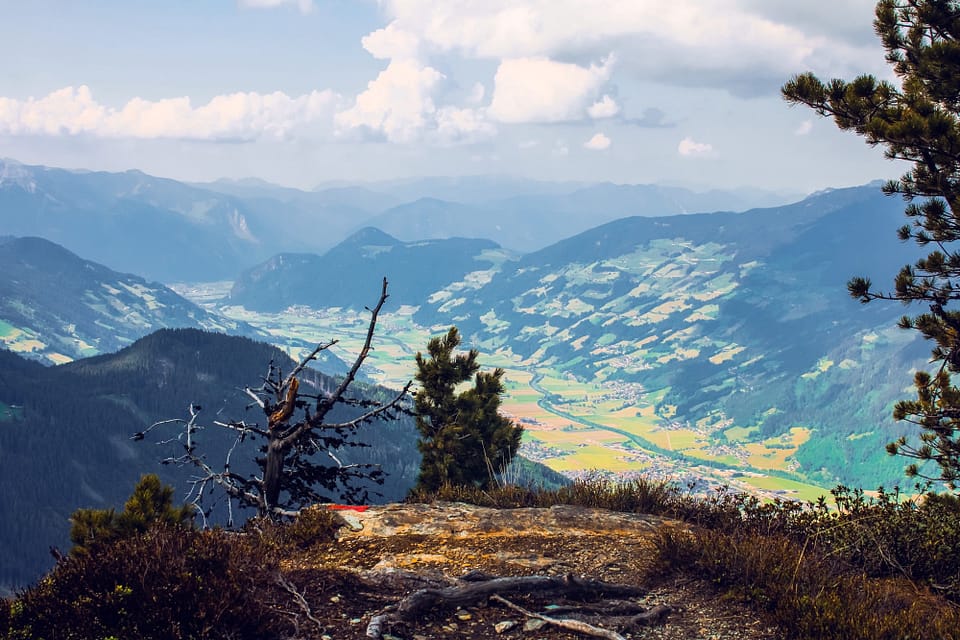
x=579 y=428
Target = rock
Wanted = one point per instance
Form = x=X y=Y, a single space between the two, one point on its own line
x=534 y=624
x=462 y=520
x=504 y=626
x=463 y=615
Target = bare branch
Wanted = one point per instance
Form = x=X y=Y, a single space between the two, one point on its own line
x=375 y=413
x=301 y=601
x=348 y=379
x=242 y=427
x=256 y=398
x=303 y=363
x=570 y=625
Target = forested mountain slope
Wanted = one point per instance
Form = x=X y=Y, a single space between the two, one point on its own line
x=65 y=431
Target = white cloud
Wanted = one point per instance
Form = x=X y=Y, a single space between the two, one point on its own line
x=605 y=107
x=598 y=142
x=477 y=93
x=542 y=90
x=391 y=42
x=805 y=128
x=233 y=117
x=396 y=104
x=66 y=111
x=689 y=42
x=461 y=125
x=689 y=147
x=305 y=6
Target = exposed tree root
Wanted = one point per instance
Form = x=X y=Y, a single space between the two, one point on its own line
x=479 y=588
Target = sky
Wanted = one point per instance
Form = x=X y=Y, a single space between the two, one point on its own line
x=308 y=92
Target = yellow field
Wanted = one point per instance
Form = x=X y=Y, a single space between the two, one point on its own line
x=592 y=457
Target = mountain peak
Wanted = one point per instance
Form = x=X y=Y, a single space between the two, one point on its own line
x=370 y=235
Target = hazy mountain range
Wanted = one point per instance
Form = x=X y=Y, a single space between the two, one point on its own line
x=335 y=278
x=170 y=231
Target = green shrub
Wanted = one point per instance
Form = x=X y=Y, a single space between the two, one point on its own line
x=636 y=496
x=312 y=526
x=151 y=502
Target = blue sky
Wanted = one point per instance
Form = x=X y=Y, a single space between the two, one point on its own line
x=301 y=92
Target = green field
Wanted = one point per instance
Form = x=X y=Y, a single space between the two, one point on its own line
x=6 y=329
x=8 y=413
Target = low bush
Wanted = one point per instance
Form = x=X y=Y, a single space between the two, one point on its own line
x=636 y=496
x=856 y=566
x=810 y=594
x=168 y=582
x=312 y=526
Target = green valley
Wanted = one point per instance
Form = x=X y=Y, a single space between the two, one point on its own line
x=577 y=427
x=715 y=349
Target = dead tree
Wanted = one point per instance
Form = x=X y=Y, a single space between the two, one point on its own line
x=295 y=438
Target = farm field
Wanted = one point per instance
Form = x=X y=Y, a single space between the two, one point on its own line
x=574 y=426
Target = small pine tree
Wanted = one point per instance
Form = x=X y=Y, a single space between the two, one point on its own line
x=463 y=438
x=151 y=502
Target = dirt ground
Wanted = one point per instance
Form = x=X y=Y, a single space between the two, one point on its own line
x=388 y=552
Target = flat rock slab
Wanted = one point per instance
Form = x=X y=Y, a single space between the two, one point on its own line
x=455 y=519
x=403 y=547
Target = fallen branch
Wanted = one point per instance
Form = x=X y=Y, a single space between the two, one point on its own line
x=300 y=600
x=422 y=601
x=620 y=614
x=571 y=625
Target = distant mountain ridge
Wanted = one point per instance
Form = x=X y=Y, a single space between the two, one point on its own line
x=531 y=222
x=56 y=306
x=339 y=277
x=160 y=228
x=130 y=221
x=177 y=232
